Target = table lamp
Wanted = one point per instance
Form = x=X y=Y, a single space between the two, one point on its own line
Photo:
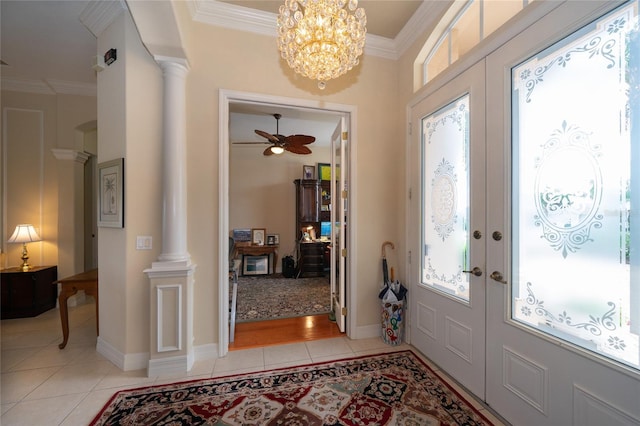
x=24 y=234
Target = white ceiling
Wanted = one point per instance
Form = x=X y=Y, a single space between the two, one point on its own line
x=45 y=46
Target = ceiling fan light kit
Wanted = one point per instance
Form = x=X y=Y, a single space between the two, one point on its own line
x=275 y=149
x=321 y=39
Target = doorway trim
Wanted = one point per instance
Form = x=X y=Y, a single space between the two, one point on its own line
x=230 y=96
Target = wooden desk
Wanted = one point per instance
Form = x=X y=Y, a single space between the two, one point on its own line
x=259 y=251
x=87 y=281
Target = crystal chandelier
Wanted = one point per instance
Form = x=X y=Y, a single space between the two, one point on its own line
x=321 y=39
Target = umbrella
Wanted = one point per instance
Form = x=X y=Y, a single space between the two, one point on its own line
x=385 y=271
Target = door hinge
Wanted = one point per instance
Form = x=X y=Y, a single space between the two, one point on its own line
x=344 y=311
x=410 y=128
x=345 y=136
x=344 y=252
x=344 y=194
x=409 y=257
x=410 y=193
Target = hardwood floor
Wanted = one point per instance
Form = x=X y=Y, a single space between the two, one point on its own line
x=282 y=331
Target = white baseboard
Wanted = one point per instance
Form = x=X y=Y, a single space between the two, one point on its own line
x=367 y=332
x=125 y=362
x=204 y=352
x=169 y=365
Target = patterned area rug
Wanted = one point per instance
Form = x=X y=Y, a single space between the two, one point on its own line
x=270 y=297
x=387 y=389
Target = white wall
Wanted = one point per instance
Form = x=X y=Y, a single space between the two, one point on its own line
x=33 y=125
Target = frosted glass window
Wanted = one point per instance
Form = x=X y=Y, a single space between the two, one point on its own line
x=576 y=188
x=445 y=199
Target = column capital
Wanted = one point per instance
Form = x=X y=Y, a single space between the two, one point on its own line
x=172 y=62
x=70 y=154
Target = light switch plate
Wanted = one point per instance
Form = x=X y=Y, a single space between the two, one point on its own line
x=144 y=242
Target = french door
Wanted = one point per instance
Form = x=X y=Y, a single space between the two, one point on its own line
x=563 y=307
x=547 y=224
x=339 y=173
x=448 y=309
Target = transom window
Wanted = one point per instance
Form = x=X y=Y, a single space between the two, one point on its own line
x=465 y=24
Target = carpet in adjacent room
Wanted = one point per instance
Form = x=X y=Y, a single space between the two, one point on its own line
x=273 y=296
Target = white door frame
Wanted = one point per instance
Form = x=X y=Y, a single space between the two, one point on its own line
x=226 y=97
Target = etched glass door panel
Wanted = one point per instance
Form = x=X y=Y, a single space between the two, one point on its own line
x=574 y=264
x=447 y=305
x=445 y=199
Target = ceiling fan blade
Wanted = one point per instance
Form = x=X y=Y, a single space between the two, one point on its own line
x=251 y=143
x=300 y=139
x=268 y=136
x=267 y=151
x=297 y=149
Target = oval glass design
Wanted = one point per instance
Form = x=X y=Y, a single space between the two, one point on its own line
x=568 y=199
x=443 y=199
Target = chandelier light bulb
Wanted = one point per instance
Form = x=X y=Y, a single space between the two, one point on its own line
x=321 y=39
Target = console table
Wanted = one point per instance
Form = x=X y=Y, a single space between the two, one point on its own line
x=259 y=251
x=27 y=294
x=87 y=281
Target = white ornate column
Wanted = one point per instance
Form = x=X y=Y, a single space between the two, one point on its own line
x=171 y=276
x=174 y=203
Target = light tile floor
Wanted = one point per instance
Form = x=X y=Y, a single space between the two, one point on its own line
x=43 y=385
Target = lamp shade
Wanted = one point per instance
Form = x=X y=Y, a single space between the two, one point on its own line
x=24 y=233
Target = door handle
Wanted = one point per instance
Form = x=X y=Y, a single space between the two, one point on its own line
x=475 y=271
x=497 y=276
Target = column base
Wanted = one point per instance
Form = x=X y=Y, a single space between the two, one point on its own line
x=171 y=365
x=171 y=318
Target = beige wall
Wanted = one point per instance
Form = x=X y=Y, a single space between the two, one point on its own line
x=262 y=192
x=130 y=112
x=129 y=107
x=32 y=126
x=234 y=60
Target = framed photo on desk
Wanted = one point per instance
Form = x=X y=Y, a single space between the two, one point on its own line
x=258 y=236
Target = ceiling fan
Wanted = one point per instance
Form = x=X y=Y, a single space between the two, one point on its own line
x=280 y=143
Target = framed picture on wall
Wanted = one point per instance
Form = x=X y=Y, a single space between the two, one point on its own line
x=324 y=171
x=111 y=193
x=308 y=172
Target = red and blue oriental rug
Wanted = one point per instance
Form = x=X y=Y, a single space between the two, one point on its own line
x=387 y=389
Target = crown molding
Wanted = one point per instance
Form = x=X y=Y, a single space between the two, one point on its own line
x=416 y=24
x=49 y=87
x=73 y=88
x=226 y=15
x=28 y=86
x=235 y=17
x=99 y=14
